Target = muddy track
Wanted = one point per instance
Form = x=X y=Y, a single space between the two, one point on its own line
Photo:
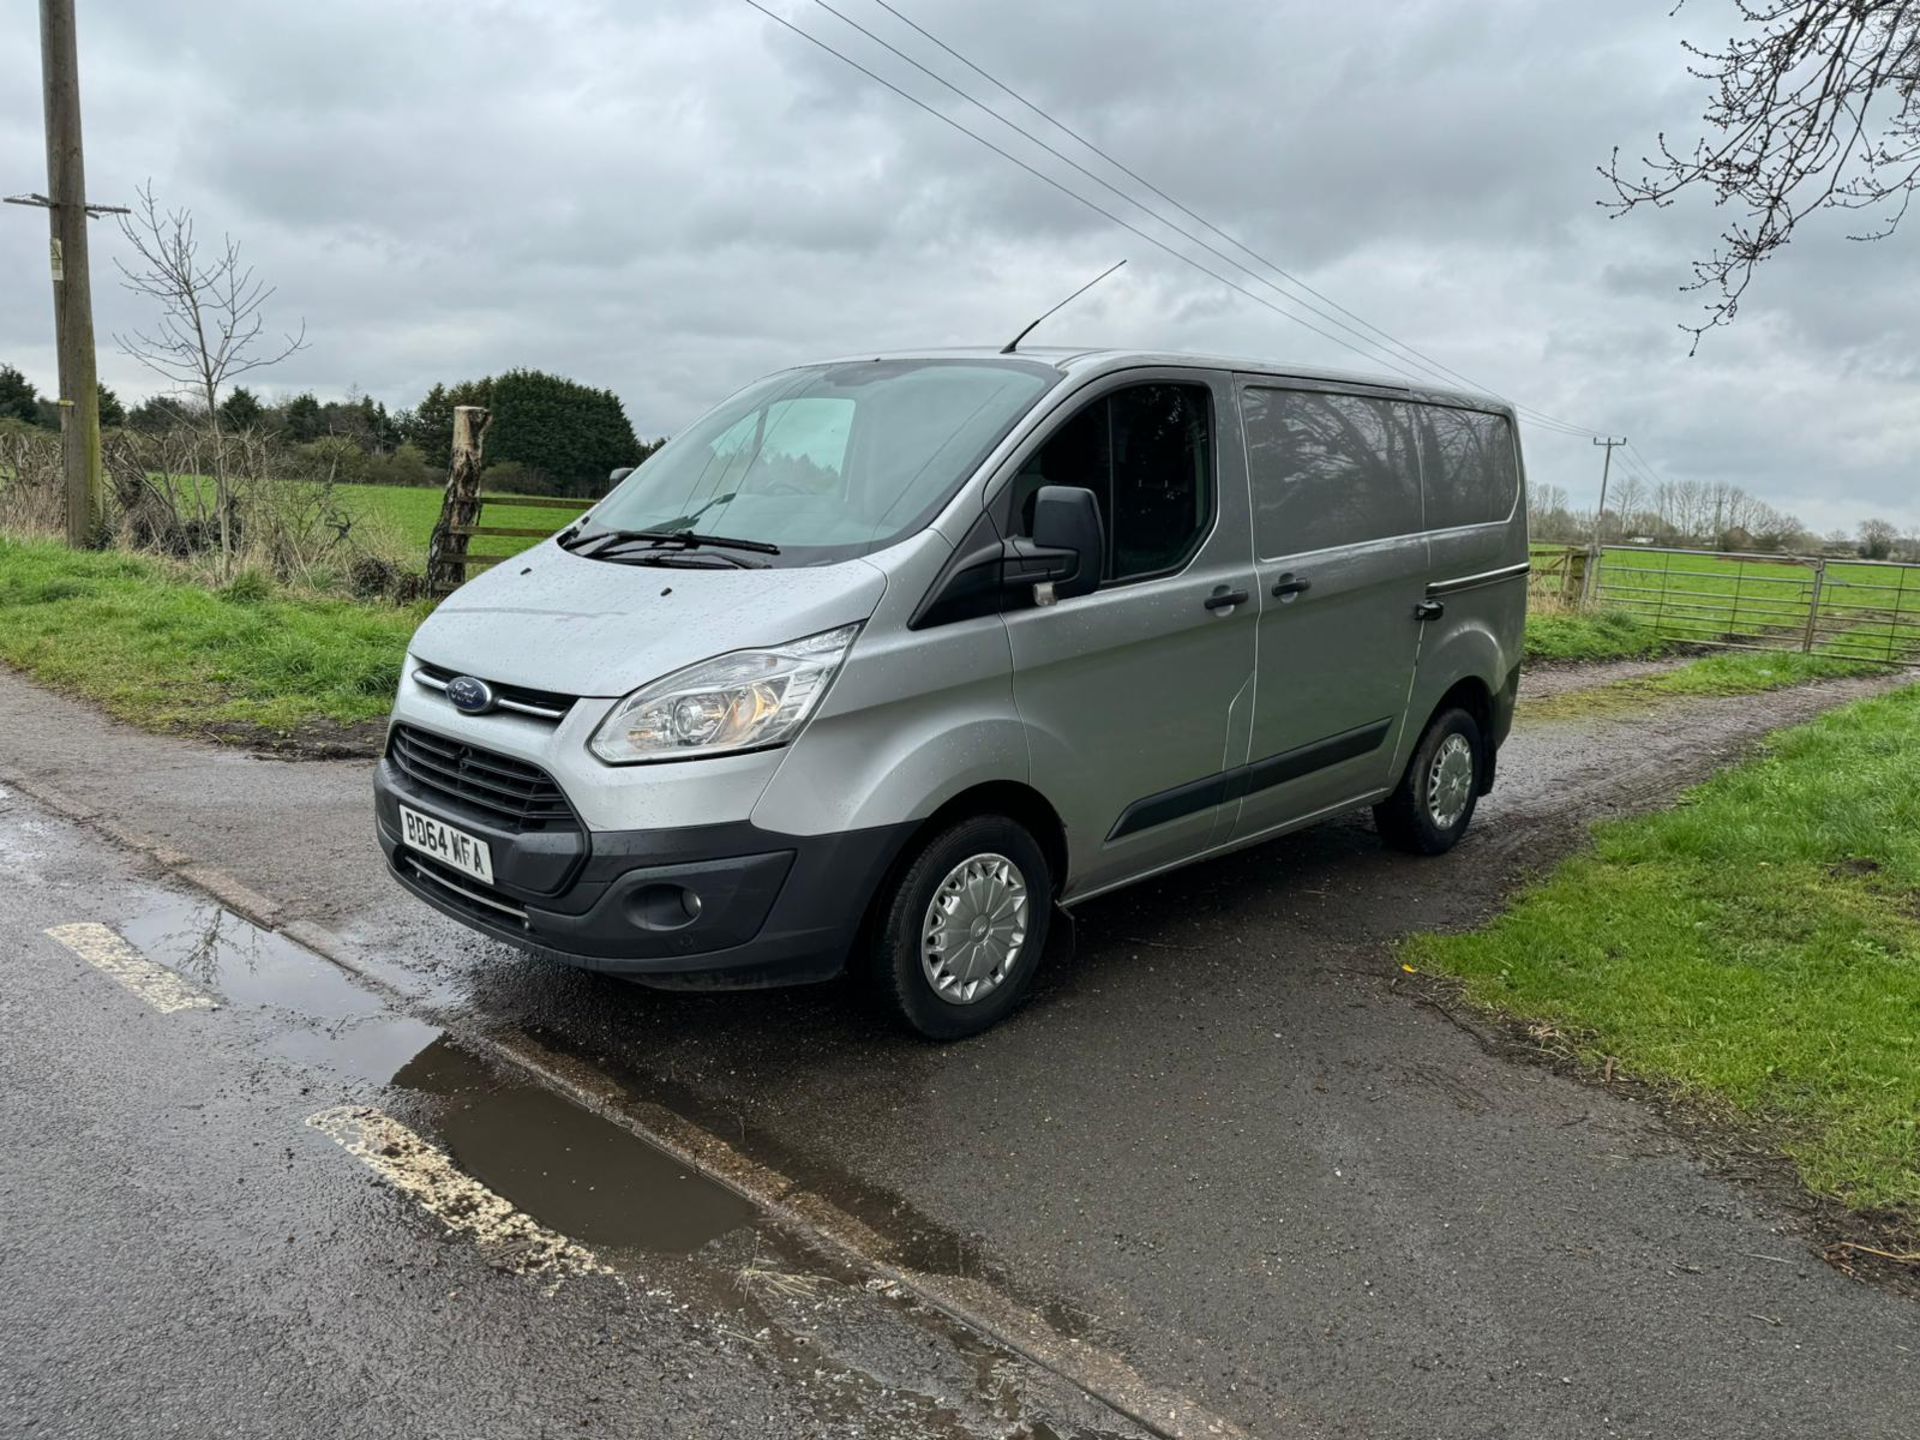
x=1539 y=681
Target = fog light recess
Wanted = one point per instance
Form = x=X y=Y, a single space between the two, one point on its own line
x=663 y=907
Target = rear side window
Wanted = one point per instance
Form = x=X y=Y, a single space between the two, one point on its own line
x=1329 y=469
x=1146 y=452
x=1471 y=476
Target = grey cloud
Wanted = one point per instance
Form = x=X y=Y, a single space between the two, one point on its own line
x=669 y=199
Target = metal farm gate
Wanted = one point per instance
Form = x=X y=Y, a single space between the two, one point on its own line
x=1850 y=609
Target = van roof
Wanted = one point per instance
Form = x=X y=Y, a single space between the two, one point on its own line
x=1084 y=362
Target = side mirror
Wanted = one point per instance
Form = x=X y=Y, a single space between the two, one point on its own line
x=620 y=474
x=1068 y=532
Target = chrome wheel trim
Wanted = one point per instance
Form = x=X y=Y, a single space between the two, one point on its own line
x=974 y=929
x=1450 y=781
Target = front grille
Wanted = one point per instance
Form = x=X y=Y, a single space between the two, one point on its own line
x=462 y=891
x=542 y=704
x=515 y=794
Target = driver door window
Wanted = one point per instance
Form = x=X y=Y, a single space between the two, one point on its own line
x=1146 y=453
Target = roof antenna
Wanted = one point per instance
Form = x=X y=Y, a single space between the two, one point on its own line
x=1010 y=346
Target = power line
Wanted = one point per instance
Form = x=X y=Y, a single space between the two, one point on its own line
x=1041 y=175
x=1438 y=367
x=1439 y=372
x=1539 y=418
x=1065 y=129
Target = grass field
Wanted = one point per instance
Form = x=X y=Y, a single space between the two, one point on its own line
x=153 y=648
x=1866 y=611
x=1758 y=948
x=409 y=513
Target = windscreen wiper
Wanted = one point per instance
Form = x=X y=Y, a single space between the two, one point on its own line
x=682 y=559
x=679 y=539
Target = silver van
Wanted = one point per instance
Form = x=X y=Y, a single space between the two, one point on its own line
x=885 y=660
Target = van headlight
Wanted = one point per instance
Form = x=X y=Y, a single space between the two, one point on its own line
x=749 y=700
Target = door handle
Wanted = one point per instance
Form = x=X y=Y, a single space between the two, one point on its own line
x=1429 y=610
x=1225 y=599
x=1289 y=585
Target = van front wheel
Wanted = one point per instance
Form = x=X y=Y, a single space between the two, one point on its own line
x=1430 y=810
x=959 y=931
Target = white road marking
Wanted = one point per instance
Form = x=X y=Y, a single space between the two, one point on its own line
x=106 y=951
x=509 y=1238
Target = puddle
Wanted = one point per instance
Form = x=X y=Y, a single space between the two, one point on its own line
x=369 y=1050
x=247 y=967
x=574 y=1172
x=569 y=1169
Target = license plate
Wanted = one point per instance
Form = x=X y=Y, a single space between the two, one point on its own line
x=466 y=853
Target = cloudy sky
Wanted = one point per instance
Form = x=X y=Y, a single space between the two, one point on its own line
x=670 y=198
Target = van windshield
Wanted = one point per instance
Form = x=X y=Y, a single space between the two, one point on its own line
x=829 y=462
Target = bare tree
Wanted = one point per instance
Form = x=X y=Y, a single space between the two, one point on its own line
x=1816 y=107
x=1877 y=538
x=211 y=329
x=1629 y=494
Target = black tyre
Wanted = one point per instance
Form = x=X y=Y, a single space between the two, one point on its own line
x=959 y=929
x=1434 y=803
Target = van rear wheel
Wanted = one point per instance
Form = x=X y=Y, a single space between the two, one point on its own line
x=1434 y=802
x=959 y=930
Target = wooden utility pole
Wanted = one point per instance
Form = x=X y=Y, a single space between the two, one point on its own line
x=72 y=287
x=460 y=510
x=1599 y=519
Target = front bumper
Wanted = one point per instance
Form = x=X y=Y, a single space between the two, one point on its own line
x=766 y=908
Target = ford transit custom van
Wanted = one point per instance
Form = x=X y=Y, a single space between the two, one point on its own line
x=885 y=662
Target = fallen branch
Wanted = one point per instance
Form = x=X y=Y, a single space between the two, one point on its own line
x=1912 y=1257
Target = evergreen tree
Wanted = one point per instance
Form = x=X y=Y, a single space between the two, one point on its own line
x=241 y=410
x=157 y=413
x=302 y=419
x=18 y=399
x=112 y=412
x=559 y=432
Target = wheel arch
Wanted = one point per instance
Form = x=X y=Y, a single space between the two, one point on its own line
x=1473 y=695
x=1018 y=802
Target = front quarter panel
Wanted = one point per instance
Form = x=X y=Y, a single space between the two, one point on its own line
x=915 y=718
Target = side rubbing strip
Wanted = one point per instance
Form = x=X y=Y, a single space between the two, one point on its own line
x=1474 y=582
x=1292 y=764
x=1171 y=804
x=1198 y=795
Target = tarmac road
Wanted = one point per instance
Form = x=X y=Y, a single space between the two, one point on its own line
x=189 y=1248
x=1222 y=1142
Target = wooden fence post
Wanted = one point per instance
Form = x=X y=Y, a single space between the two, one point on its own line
x=1813 y=607
x=447 y=551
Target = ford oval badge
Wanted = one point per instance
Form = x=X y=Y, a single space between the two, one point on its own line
x=469 y=696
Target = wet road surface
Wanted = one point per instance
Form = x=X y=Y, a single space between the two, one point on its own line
x=244 y=1196
x=1221 y=1140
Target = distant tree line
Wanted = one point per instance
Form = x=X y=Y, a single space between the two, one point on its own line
x=549 y=435
x=1703 y=515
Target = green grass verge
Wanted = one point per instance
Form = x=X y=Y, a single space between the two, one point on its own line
x=1593 y=635
x=1757 y=947
x=1749 y=672
x=1733 y=672
x=153 y=648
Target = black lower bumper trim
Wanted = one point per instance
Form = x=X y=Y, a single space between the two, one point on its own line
x=711 y=905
